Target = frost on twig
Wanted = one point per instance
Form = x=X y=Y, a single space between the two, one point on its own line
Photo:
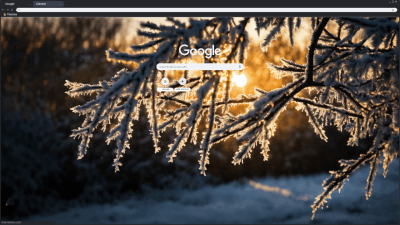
x=352 y=69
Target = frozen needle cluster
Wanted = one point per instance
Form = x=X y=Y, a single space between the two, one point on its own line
x=354 y=69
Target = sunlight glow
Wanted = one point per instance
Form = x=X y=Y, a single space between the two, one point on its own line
x=239 y=80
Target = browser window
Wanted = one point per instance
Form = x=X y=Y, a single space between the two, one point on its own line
x=126 y=112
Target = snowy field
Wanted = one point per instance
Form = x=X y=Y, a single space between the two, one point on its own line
x=267 y=200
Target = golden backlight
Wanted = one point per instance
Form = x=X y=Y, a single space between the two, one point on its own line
x=239 y=80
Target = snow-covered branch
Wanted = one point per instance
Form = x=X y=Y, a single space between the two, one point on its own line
x=352 y=71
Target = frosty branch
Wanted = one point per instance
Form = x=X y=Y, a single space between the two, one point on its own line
x=352 y=68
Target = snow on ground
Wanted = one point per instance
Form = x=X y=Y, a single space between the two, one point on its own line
x=266 y=200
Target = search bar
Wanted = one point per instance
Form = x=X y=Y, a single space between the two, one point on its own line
x=200 y=66
x=194 y=10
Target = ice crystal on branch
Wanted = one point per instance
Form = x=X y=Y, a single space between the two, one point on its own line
x=353 y=69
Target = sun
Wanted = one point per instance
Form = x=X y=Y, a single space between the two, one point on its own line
x=239 y=80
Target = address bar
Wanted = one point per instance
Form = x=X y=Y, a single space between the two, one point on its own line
x=195 y=10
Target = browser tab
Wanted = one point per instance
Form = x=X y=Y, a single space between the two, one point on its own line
x=9 y=3
x=48 y=4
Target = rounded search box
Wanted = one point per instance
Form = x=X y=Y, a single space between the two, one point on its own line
x=200 y=66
